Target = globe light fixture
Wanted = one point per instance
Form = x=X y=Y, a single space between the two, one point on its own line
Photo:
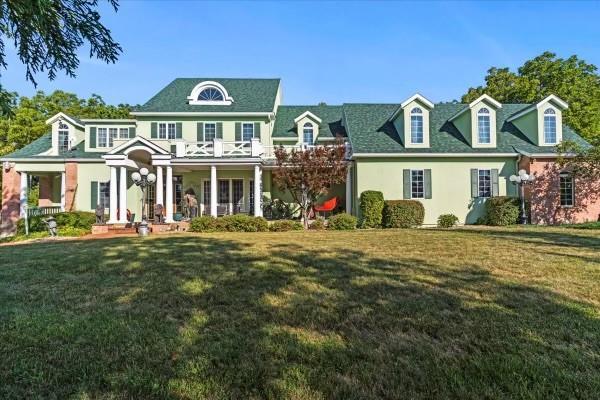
x=521 y=180
x=143 y=178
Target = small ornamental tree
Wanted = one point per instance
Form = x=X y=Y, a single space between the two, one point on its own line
x=309 y=174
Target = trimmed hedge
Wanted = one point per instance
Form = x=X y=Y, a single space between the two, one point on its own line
x=342 y=222
x=447 y=221
x=317 y=225
x=502 y=211
x=76 y=219
x=284 y=225
x=403 y=214
x=229 y=223
x=371 y=208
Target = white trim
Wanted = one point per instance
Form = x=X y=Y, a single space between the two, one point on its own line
x=491 y=184
x=203 y=114
x=96 y=120
x=484 y=98
x=418 y=97
x=440 y=155
x=309 y=115
x=287 y=138
x=552 y=98
x=193 y=97
x=411 y=183
x=146 y=142
x=62 y=115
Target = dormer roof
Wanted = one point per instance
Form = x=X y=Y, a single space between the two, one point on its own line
x=309 y=115
x=415 y=97
x=483 y=98
x=63 y=116
x=557 y=101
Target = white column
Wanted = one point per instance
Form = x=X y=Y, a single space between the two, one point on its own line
x=112 y=209
x=349 y=190
x=63 y=190
x=123 y=196
x=257 y=191
x=213 y=190
x=169 y=195
x=23 y=194
x=160 y=188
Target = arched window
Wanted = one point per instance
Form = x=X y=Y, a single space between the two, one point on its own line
x=550 y=126
x=416 y=126
x=211 y=94
x=483 y=126
x=307 y=134
x=63 y=137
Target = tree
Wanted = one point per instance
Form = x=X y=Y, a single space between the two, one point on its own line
x=571 y=79
x=309 y=174
x=48 y=33
x=582 y=162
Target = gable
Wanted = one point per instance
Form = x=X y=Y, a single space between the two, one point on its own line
x=288 y=117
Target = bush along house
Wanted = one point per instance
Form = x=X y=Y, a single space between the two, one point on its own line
x=216 y=137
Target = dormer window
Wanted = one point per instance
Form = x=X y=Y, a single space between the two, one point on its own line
x=550 y=126
x=416 y=126
x=308 y=134
x=63 y=137
x=483 y=126
x=209 y=93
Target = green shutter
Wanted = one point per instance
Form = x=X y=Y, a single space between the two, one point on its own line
x=178 y=130
x=200 y=132
x=94 y=195
x=427 y=183
x=173 y=149
x=474 y=183
x=238 y=131
x=93 y=138
x=495 y=185
x=131 y=132
x=406 y=183
x=219 y=130
x=153 y=130
x=257 y=130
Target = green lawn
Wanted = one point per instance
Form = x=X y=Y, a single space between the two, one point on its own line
x=465 y=314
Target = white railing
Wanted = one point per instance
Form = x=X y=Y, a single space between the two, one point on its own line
x=231 y=149
x=199 y=149
x=218 y=148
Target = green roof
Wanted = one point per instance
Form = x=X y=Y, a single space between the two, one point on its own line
x=370 y=132
x=249 y=95
x=331 y=120
x=44 y=143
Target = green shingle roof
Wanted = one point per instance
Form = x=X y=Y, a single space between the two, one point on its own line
x=44 y=143
x=249 y=95
x=369 y=131
x=331 y=120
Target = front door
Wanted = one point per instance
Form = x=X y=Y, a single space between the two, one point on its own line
x=237 y=194
x=223 y=198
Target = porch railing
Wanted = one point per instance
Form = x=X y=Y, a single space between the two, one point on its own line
x=37 y=211
x=218 y=148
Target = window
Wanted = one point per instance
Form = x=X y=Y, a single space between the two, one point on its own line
x=483 y=126
x=417 y=184
x=247 y=132
x=416 y=126
x=550 y=126
x=211 y=94
x=307 y=134
x=567 y=193
x=210 y=131
x=206 y=196
x=123 y=133
x=113 y=133
x=63 y=137
x=102 y=137
x=237 y=194
x=104 y=194
x=484 y=183
x=166 y=130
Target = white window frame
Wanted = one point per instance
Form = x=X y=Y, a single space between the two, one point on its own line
x=412 y=196
x=64 y=129
x=417 y=112
x=121 y=136
x=479 y=183
x=560 y=189
x=106 y=137
x=204 y=131
x=308 y=126
x=484 y=113
x=100 y=196
x=551 y=114
x=167 y=133
x=245 y=125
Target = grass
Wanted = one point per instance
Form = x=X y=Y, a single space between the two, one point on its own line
x=462 y=313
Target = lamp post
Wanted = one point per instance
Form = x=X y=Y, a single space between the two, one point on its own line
x=521 y=180
x=143 y=179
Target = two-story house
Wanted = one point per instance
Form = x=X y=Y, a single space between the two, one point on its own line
x=216 y=137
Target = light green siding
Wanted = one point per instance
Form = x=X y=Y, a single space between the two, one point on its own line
x=463 y=124
x=528 y=124
x=86 y=173
x=450 y=182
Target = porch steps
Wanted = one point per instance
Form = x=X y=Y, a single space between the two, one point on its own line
x=122 y=231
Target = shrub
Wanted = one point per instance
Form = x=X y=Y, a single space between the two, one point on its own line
x=205 y=223
x=284 y=225
x=502 y=211
x=403 y=214
x=242 y=223
x=371 y=208
x=447 y=220
x=342 y=222
x=76 y=219
x=317 y=225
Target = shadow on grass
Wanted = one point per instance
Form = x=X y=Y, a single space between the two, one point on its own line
x=210 y=317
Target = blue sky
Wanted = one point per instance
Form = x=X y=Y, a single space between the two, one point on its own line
x=325 y=51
